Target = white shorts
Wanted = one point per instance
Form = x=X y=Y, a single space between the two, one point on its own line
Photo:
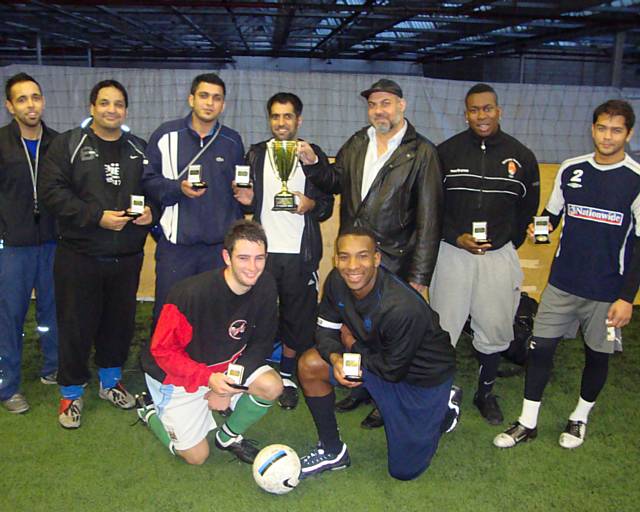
x=186 y=416
x=487 y=287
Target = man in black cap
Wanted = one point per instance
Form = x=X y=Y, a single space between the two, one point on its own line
x=389 y=179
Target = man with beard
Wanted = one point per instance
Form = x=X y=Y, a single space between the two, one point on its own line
x=27 y=239
x=388 y=176
x=295 y=243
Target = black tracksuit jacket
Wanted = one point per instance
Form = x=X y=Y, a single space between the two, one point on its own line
x=495 y=180
x=18 y=225
x=398 y=334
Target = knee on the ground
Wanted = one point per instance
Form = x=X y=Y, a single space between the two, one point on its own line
x=195 y=456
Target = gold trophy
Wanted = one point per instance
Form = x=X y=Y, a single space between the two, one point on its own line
x=283 y=155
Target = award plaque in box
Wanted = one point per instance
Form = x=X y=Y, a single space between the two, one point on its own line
x=194 y=176
x=541 y=230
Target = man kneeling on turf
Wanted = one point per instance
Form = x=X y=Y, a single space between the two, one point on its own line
x=407 y=360
x=209 y=321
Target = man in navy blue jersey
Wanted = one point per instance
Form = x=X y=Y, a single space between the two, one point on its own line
x=596 y=271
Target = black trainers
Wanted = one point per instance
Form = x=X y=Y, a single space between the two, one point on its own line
x=452 y=417
x=489 y=408
x=515 y=434
x=243 y=449
x=573 y=435
x=320 y=460
x=289 y=398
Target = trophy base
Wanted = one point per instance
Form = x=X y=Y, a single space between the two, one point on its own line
x=133 y=215
x=199 y=185
x=284 y=203
x=243 y=185
x=542 y=239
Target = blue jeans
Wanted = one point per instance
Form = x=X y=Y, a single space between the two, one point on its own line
x=23 y=269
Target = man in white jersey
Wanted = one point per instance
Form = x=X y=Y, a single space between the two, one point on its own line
x=295 y=243
x=595 y=274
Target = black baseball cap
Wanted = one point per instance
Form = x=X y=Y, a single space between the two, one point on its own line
x=383 y=85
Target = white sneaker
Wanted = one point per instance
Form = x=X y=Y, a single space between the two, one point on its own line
x=573 y=435
x=70 y=412
x=118 y=396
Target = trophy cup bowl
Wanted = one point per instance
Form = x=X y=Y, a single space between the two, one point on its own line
x=284 y=158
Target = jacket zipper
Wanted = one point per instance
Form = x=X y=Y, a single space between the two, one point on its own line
x=483 y=171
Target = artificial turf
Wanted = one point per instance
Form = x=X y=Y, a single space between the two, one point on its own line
x=109 y=464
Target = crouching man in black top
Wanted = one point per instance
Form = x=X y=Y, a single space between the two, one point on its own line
x=407 y=361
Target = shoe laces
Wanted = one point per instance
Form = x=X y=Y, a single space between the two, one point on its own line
x=575 y=429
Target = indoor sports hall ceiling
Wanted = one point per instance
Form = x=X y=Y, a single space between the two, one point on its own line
x=399 y=30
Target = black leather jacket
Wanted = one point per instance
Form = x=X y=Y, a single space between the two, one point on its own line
x=311 y=245
x=403 y=206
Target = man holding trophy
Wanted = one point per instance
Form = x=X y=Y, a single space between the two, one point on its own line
x=90 y=181
x=492 y=188
x=189 y=174
x=290 y=208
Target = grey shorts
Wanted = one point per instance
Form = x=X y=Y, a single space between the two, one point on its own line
x=487 y=287
x=559 y=312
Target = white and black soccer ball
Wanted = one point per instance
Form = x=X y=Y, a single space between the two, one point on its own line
x=277 y=469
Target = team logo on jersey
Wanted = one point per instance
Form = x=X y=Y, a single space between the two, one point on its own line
x=237 y=328
x=458 y=171
x=512 y=166
x=595 y=214
x=576 y=179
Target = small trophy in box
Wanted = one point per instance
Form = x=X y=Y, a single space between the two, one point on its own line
x=236 y=372
x=351 y=366
x=541 y=230
x=194 y=177
x=479 y=232
x=243 y=176
x=283 y=155
x=137 y=207
x=611 y=332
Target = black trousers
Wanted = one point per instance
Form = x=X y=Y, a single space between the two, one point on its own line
x=96 y=306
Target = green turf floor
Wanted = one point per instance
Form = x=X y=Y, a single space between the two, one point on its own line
x=111 y=465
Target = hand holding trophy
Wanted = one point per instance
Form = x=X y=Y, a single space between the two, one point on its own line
x=283 y=155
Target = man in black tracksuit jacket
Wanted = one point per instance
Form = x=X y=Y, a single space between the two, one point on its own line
x=407 y=360
x=295 y=241
x=27 y=239
x=87 y=180
x=489 y=177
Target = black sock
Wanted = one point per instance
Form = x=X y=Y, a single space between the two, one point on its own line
x=488 y=372
x=594 y=375
x=321 y=408
x=287 y=366
x=539 y=365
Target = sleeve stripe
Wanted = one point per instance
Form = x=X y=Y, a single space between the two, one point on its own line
x=328 y=325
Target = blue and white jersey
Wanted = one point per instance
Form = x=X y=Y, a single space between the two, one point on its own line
x=600 y=205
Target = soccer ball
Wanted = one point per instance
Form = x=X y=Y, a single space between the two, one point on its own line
x=277 y=469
